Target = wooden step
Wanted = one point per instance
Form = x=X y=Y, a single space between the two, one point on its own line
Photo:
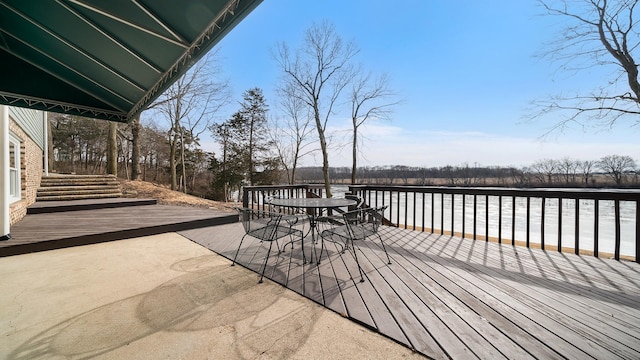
x=78 y=191
x=77 y=197
x=75 y=187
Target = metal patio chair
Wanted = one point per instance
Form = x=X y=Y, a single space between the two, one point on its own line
x=337 y=219
x=264 y=226
x=359 y=225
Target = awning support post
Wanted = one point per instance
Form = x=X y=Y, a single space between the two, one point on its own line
x=5 y=220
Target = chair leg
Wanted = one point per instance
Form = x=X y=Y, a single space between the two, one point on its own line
x=264 y=265
x=322 y=249
x=355 y=255
x=385 y=249
x=237 y=251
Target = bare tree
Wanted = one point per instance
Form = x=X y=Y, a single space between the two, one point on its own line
x=616 y=166
x=112 y=149
x=568 y=169
x=292 y=135
x=189 y=105
x=545 y=170
x=318 y=73
x=370 y=99
x=600 y=33
x=586 y=169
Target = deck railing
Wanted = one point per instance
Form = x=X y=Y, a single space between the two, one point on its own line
x=585 y=221
x=257 y=196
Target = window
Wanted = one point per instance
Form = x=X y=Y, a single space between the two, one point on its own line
x=14 y=169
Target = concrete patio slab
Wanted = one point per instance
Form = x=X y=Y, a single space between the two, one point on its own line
x=164 y=297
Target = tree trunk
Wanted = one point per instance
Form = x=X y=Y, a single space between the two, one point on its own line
x=51 y=158
x=183 y=178
x=135 y=148
x=354 y=165
x=112 y=150
x=173 y=165
x=325 y=163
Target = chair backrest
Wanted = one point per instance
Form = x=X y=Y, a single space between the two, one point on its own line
x=359 y=201
x=253 y=220
x=364 y=221
x=375 y=216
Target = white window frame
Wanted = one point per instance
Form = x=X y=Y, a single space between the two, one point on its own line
x=15 y=186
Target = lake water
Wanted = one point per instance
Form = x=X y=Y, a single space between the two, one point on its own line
x=606 y=229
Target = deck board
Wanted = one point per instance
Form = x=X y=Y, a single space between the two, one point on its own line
x=459 y=298
x=54 y=230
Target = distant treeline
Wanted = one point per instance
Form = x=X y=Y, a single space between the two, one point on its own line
x=612 y=170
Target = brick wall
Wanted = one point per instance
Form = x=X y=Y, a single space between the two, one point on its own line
x=31 y=169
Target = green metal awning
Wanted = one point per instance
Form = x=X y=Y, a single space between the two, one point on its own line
x=105 y=59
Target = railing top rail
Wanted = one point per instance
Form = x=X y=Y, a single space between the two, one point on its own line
x=277 y=187
x=568 y=193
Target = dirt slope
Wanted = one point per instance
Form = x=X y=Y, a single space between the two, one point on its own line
x=164 y=195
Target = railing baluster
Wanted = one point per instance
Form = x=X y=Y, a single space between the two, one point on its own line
x=423 y=208
x=577 y=227
x=432 y=211
x=486 y=218
x=542 y=223
x=500 y=219
x=406 y=208
x=442 y=213
x=560 y=224
x=637 y=231
x=596 y=227
x=464 y=204
x=414 y=210
x=453 y=209
x=528 y=221
x=475 y=216
x=617 y=212
x=513 y=220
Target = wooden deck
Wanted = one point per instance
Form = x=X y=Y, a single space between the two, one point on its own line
x=442 y=296
x=55 y=225
x=462 y=299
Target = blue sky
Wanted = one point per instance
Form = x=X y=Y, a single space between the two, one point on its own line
x=466 y=72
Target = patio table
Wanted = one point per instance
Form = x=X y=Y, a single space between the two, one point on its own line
x=313 y=205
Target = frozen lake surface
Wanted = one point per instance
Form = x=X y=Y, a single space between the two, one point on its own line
x=606 y=228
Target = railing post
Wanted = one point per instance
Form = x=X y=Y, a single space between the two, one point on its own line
x=637 y=231
x=245 y=197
